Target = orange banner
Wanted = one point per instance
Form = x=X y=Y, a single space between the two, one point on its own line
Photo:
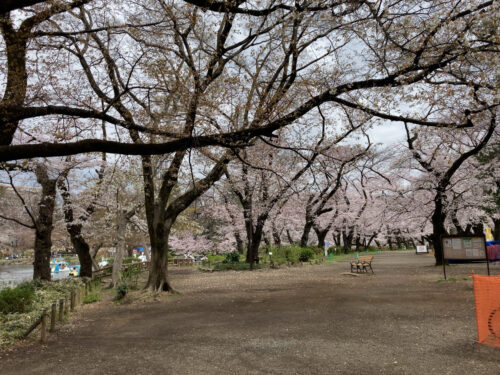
x=487 y=300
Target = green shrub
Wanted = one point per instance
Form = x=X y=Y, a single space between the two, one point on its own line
x=91 y=298
x=306 y=254
x=121 y=292
x=128 y=260
x=233 y=257
x=315 y=249
x=131 y=275
x=212 y=258
x=17 y=299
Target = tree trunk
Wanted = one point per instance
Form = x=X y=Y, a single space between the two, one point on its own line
x=43 y=245
x=120 y=247
x=389 y=242
x=438 y=229
x=372 y=237
x=496 y=229
x=357 y=243
x=276 y=237
x=158 y=270
x=253 y=249
x=17 y=77
x=321 y=238
x=304 y=239
x=43 y=224
x=83 y=251
x=239 y=242
x=93 y=255
x=347 y=240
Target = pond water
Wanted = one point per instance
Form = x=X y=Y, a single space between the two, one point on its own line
x=16 y=273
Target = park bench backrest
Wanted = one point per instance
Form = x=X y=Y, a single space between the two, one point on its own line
x=365 y=258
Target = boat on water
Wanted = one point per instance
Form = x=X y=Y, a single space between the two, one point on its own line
x=59 y=266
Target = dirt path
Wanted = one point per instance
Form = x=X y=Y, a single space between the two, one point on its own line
x=304 y=320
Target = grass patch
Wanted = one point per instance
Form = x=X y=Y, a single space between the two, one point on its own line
x=91 y=298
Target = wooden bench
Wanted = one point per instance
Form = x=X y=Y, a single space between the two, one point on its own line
x=362 y=263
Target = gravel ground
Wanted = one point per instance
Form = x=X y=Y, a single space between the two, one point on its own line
x=301 y=320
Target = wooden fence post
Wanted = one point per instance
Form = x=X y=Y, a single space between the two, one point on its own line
x=43 y=329
x=61 y=309
x=73 y=297
x=53 y=318
x=66 y=306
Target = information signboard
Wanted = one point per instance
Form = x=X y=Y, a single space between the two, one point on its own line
x=464 y=248
x=422 y=249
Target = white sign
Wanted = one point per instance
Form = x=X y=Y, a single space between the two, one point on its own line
x=421 y=248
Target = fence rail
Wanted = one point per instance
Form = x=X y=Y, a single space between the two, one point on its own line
x=65 y=305
x=106 y=271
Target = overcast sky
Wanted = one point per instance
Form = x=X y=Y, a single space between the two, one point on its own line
x=387 y=134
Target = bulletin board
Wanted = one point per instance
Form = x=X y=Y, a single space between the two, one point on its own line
x=464 y=248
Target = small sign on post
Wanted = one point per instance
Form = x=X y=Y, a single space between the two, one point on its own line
x=422 y=249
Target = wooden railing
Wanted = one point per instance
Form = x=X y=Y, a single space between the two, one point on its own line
x=106 y=271
x=58 y=310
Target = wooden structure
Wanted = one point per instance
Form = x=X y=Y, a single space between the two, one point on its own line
x=361 y=264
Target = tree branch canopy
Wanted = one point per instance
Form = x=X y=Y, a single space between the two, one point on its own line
x=9 y=5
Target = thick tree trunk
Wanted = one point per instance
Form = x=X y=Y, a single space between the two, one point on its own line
x=304 y=239
x=158 y=270
x=43 y=224
x=321 y=234
x=254 y=243
x=83 y=251
x=438 y=230
x=496 y=229
x=17 y=78
x=347 y=240
x=43 y=245
x=478 y=229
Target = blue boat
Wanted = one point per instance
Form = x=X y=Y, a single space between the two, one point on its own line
x=59 y=266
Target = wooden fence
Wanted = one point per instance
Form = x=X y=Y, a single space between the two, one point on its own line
x=143 y=266
x=58 y=311
x=106 y=271
x=62 y=307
